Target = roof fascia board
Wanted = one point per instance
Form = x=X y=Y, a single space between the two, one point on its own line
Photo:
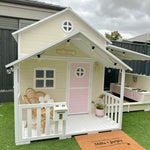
x=129 y=51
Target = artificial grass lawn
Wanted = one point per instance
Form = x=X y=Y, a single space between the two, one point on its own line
x=135 y=124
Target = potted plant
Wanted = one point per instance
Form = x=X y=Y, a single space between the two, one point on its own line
x=99 y=104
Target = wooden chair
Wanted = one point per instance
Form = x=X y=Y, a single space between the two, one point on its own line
x=31 y=94
x=40 y=93
x=32 y=97
x=34 y=114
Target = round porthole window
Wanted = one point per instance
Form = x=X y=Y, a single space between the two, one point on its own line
x=67 y=26
x=80 y=72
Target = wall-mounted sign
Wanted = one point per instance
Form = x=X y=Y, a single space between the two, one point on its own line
x=66 y=52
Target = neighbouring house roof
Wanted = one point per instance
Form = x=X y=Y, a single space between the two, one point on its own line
x=67 y=10
x=125 y=54
x=35 y=3
x=84 y=43
x=139 y=67
x=145 y=38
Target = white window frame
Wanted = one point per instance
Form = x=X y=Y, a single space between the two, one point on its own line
x=67 y=31
x=84 y=72
x=44 y=69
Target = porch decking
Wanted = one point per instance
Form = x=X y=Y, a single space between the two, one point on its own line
x=78 y=124
x=89 y=123
x=72 y=125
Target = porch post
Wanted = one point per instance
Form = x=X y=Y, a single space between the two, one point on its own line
x=16 y=107
x=121 y=98
x=17 y=113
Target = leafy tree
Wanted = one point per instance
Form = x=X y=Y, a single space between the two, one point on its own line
x=115 y=35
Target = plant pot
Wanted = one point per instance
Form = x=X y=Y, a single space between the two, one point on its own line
x=99 y=112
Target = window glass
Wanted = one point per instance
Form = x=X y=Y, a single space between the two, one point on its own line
x=65 y=23
x=80 y=72
x=49 y=74
x=67 y=26
x=44 y=78
x=39 y=73
x=49 y=83
x=39 y=83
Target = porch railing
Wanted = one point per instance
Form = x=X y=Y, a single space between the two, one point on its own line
x=112 y=109
x=52 y=128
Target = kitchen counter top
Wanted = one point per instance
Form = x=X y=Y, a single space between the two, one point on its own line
x=133 y=93
x=133 y=89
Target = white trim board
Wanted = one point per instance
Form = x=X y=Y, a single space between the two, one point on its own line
x=65 y=58
x=19 y=54
x=90 y=86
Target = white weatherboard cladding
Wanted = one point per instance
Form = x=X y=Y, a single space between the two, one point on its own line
x=66 y=49
x=27 y=77
x=51 y=31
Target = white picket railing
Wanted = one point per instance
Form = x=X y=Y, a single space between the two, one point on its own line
x=26 y=110
x=113 y=104
x=56 y=128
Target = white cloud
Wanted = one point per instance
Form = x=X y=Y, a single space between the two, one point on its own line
x=129 y=17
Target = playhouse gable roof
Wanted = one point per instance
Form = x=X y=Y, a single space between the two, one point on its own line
x=84 y=43
x=61 y=13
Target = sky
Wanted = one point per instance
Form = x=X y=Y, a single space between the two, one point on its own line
x=129 y=17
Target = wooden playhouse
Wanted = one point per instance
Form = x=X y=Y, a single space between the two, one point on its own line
x=65 y=58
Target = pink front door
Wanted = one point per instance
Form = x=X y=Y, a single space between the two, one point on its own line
x=79 y=87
